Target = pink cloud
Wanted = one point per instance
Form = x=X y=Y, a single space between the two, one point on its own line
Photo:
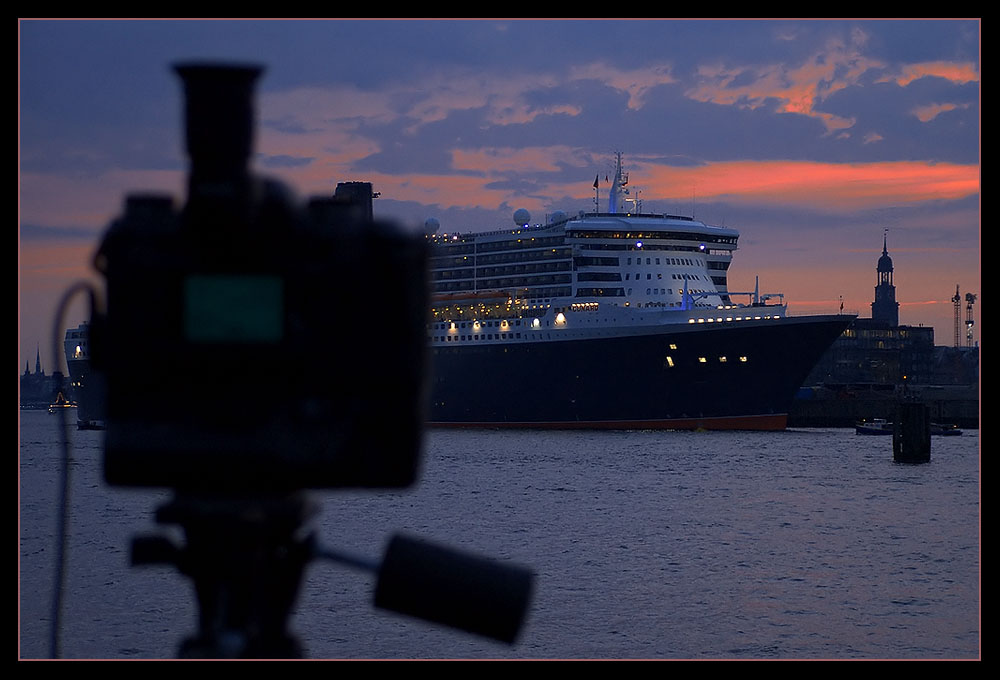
x=797 y=90
x=956 y=72
x=929 y=112
x=831 y=185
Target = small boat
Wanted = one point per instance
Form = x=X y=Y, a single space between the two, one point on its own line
x=874 y=426
x=945 y=430
x=60 y=403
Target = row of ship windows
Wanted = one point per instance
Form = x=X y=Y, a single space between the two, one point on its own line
x=666 y=260
x=535 y=291
x=663 y=291
x=457 y=267
x=668 y=361
x=675 y=277
x=539 y=242
x=534 y=277
x=482 y=272
x=536 y=242
x=579 y=260
x=652 y=246
x=479 y=336
x=486 y=324
x=654 y=235
x=449 y=254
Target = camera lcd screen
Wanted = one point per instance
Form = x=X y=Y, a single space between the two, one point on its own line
x=233 y=309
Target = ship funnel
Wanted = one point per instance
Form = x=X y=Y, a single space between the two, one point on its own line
x=219 y=127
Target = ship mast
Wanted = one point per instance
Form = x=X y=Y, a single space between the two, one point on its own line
x=618 y=185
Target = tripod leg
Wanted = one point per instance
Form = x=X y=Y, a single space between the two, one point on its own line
x=246 y=560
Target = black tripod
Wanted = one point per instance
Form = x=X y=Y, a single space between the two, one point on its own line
x=246 y=557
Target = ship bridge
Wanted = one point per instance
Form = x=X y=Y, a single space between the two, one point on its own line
x=651 y=260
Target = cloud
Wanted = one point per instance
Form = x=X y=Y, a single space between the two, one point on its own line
x=636 y=82
x=958 y=73
x=840 y=186
x=929 y=112
x=789 y=88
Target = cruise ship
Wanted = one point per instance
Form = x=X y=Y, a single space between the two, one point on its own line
x=616 y=320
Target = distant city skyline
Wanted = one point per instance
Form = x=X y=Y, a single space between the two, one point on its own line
x=812 y=138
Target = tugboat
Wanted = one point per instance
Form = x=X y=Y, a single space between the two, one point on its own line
x=945 y=430
x=876 y=426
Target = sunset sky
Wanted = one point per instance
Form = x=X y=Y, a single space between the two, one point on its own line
x=812 y=138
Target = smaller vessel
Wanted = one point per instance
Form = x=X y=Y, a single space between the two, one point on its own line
x=882 y=426
x=875 y=426
x=945 y=430
x=61 y=402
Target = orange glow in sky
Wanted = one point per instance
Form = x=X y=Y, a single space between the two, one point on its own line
x=809 y=137
x=832 y=185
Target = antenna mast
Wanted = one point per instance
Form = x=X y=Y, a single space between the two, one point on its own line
x=958 y=315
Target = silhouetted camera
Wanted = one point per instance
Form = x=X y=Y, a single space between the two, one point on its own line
x=251 y=343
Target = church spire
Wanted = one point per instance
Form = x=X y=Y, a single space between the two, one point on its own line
x=885 y=308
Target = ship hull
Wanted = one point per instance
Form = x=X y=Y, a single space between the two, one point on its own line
x=89 y=390
x=720 y=376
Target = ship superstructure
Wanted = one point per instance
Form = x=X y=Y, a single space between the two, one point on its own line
x=641 y=264
x=88 y=386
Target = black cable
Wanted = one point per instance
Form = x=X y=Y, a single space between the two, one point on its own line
x=62 y=520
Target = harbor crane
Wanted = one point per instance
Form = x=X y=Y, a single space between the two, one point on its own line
x=969 y=321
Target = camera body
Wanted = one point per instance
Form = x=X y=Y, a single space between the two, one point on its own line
x=252 y=343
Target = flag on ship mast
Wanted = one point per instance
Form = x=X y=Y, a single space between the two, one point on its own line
x=596 y=177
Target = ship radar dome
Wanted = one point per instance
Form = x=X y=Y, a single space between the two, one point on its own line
x=431 y=225
x=557 y=216
x=521 y=217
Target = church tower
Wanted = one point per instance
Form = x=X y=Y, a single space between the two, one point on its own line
x=885 y=308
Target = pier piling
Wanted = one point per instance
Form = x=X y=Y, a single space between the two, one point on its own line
x=911 y=435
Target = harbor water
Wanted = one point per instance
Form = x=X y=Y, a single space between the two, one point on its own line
x=803 y=544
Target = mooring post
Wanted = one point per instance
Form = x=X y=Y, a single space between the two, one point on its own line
x=911 y=433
